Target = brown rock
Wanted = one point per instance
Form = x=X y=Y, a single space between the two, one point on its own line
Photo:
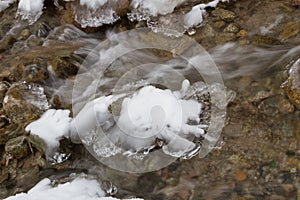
x=240 y=175
x=290 y=29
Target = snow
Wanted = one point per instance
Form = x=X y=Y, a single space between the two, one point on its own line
x=195 y=16
x=156 y=7
x=147 y=114
x=78 y=189
x=5 y=4
x=30 y=10
x=51 y=127
x=94 y=4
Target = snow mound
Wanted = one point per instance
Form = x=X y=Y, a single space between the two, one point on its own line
x=78 y=189
x=5 y=4
x=51 y=127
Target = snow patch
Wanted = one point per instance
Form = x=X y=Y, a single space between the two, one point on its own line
x=51 y=127
x=78 y=189
x=156 y=7
x=195 y=16
x=30 y=10
x=5 y=4
x=94 y=4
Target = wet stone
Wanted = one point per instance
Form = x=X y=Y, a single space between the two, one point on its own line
x=3 y=121
x=289 y=30
x=225 y=37
x=63 y=68
x=219 y=24
x=17 y=147
x=242 y=33
x=34 y=73
x=232 y=28
x=225 y=15
x=24 y=34
x=265 y=40
x=25 y=102
x=3 y=89
x=7 y=42
x=9 y=131
x=43 y=30
x=292 y=85
x=204 y=32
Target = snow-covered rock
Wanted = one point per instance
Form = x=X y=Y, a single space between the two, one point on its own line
x=51 y=127
x=78 y=189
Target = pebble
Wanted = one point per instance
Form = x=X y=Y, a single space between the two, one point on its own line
x=240 y=175
x=232 y=28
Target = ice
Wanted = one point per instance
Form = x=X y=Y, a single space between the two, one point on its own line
x=51 y=127
x=36 y=96
x=30 y=10
x=78 y=189
x=95 y=13
x=5 y=4
x=148 y=114
x=195 y=16
x=155 y=7
x=93 y=4
x=161 y=17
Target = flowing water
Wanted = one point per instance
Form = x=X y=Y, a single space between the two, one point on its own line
x=256 y=156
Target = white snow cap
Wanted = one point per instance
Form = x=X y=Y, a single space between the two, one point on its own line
x=51 y=127
x=78 y=189
x=30 y=10
x=195 y=16
x=93 y=4
x=5 y=4
x=155 y=7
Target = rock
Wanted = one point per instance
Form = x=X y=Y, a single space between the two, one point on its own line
x=34 y=73
x=225 y=15
x=285 y=106
x=63 y=68
x=43 y=30
x=24 y=34
x=289 y=30
x=240 y=175
x=272 y=105
x=225 y=37
x=10 y=131
x=242 y=33
x=288 y=189
x=17 y=147
x=7 y=42
x=292 y=85
x=219 y=24
x=25 y=102
x=204 y=32
x=3 y=121
x=264 y=40
x=232 y=28
x=3 y=89
x=296 y=3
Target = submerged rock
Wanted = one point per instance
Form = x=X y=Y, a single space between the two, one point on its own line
x=225 y=15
